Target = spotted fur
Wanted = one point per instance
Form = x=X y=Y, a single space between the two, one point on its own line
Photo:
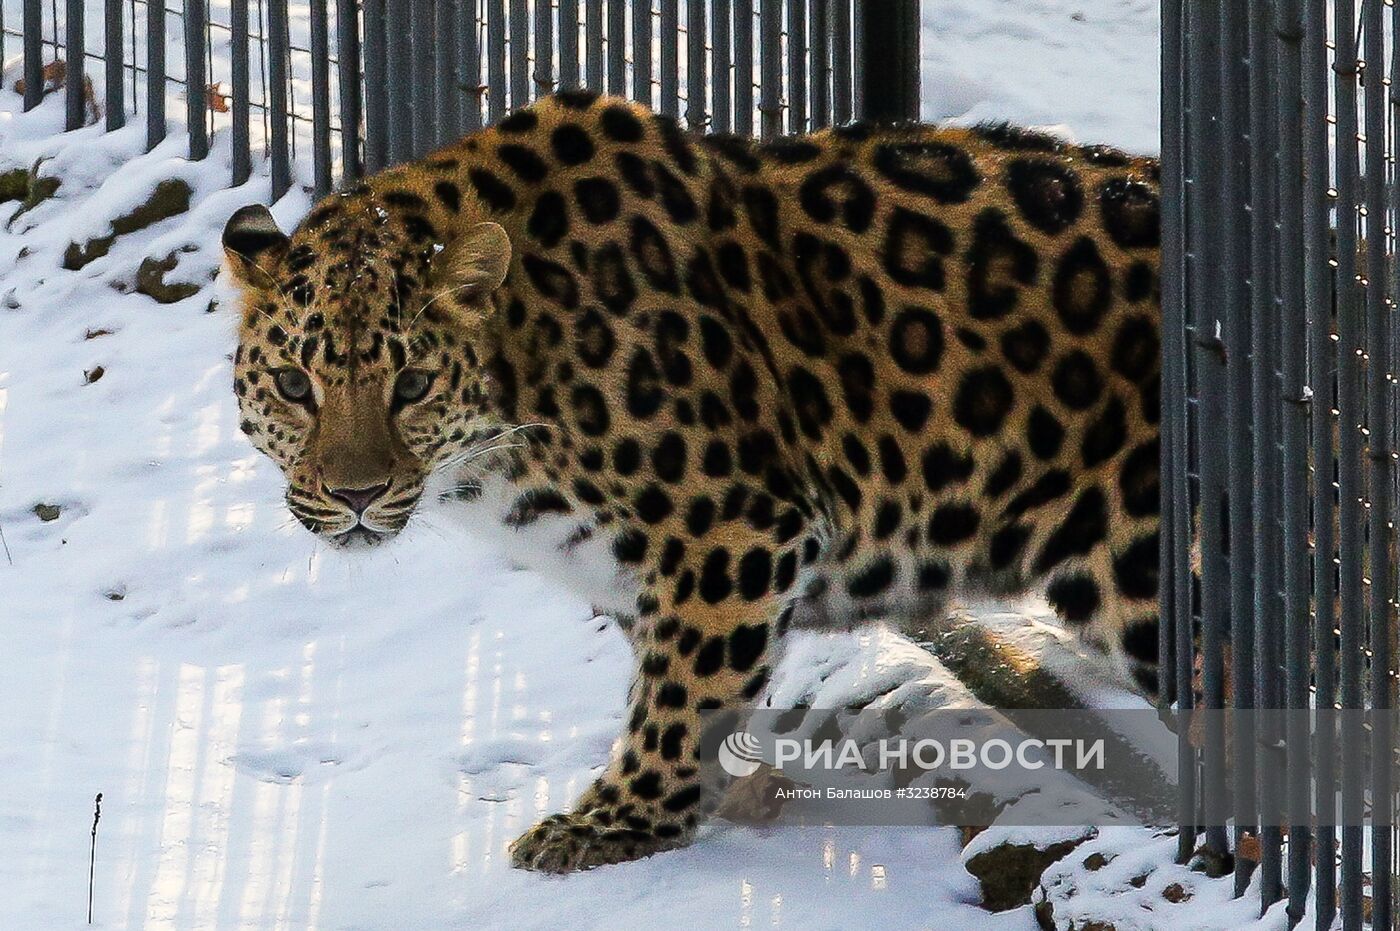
x=843 y=376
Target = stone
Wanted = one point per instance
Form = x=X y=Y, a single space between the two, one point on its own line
x=1009 y=873
x=170 y=198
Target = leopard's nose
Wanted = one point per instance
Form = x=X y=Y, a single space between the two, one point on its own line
x=358 y=499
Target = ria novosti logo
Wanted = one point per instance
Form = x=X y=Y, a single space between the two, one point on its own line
x=739 y=754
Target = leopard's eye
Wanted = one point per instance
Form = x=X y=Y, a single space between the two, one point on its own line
x=293 y=384
x=412 y=385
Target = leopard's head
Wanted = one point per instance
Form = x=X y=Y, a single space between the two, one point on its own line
x=361 y=361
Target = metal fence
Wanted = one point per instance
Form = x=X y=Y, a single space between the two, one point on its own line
x=1280 y=138
x=368 y=84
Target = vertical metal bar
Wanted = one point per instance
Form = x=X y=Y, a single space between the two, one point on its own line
x=74 y=46
x=320 y=97
x=723 y=105
x=770 y=68
x=841 y=60
x=1268 y=518
x=695 y=79
x=496 y=59
x=889 y=55
x=1322 y=365
x=277 y=95
x=857 y=45
x=112 y=57
x=1233 y=68
x=398 y=79
x=617 y=47
x=347 y=26
x=670 y=66
x=797 y=66
x=1179 y=123
x=196 y=79
x=470 y=42
x=519 y=26
x=743 y=67
x=593 y=75
x=544 y=47
x=1349 y=481
x=1264 y=663
x=376 y=88
x=641 y=51
x=421 y=74
x=155 y=71
x=238 y=53
x=1205 y=218
x=1294 y=421
x=448 y=97
x=1172 y=87
x=1380 y=463
x=568 y=44
x=821 y=63
x=33 y=27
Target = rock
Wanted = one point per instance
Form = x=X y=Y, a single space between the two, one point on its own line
x=28 y=187
x=93 y=374
x=170 y=198
x=1176 y=893
x=14 y=184
x=1095 y=861
x=150 y=280
x=1010 y=872
x=47 y=512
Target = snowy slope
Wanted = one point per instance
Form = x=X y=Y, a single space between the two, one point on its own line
x=287 y=737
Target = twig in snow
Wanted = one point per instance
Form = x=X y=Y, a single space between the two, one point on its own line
x=6 y=546
x=92 y=854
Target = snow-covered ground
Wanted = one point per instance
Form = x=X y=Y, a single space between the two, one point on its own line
x=290 y=737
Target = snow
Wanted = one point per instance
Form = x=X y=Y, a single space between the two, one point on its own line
x=287 y=736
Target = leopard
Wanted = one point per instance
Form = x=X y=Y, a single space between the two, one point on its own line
x=819 y=379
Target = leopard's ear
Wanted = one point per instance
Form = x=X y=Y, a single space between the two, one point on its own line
x=474 y=264
x=253 y=244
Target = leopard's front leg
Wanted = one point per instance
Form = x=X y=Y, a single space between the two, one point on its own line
x=706 y=638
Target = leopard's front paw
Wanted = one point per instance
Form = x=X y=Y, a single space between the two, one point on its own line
x=568 y=842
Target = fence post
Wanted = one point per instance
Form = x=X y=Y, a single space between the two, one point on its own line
x=376 y=88
x=594 y=76
x=722 y=105
x=471 y=65
x=1378 y=456
x=617 y=46
x=695 y=116
x=641 y=51
x=495 y=59
x=670 y=57
x=544 y=48
x=821 y=26
x=1322 y=365
x=568 y=44
x=277 y=92
x=155 y=73
x=347 y=25
x=770 y=68
x=238 y=49
x=74 y=46
x=743 y=67
x=421 y=73
x=398 y=45
x=797 y=65
x=196 y=79
x=321 y=97
x=116 y=104
x=889 y=57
